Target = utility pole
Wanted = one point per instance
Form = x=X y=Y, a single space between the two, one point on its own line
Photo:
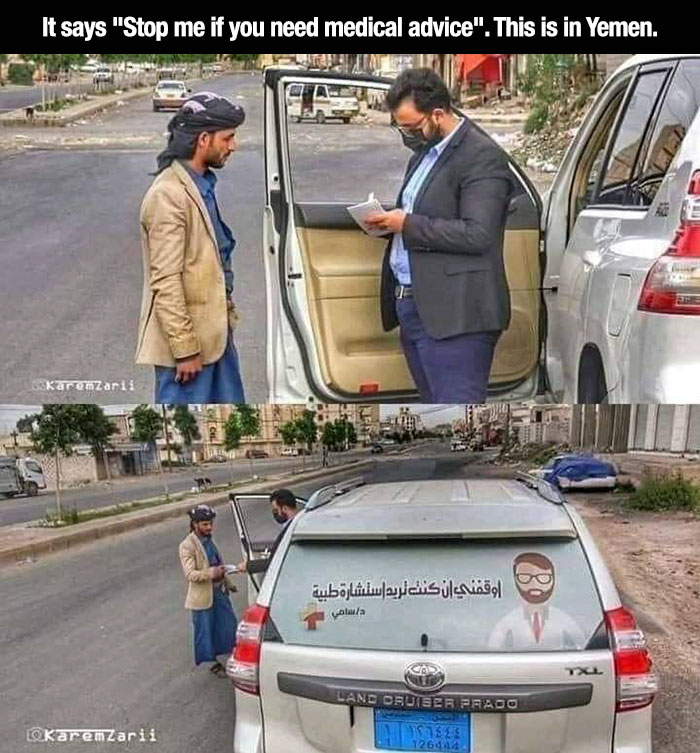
x=167 y=436
x=506 y=443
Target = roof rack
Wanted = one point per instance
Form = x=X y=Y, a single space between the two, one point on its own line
x=545 y=489
x=328 y=493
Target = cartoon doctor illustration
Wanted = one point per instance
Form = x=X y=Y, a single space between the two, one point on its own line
x=536 y=624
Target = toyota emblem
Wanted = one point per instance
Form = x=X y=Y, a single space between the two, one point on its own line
x=424 y=676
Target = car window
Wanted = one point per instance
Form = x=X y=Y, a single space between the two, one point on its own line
x=341 y=91
x=33 y=466
x=680 y=106
x=295 y=90
x=464 y=596
x=347 y=153
x=623 y=156
x=591 y=161
x=321 y=91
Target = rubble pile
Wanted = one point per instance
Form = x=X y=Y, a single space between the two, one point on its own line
x=544 y=150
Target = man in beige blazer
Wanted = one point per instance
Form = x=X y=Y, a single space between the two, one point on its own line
x=213 y=619
x=187 y=310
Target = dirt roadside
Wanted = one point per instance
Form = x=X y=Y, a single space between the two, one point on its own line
x=654 y=559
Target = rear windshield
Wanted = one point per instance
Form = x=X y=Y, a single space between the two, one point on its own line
x=164 y=85
x=448 y=595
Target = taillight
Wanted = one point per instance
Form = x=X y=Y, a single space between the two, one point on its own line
x=243 y=664
x=636 y=682
x=673 y=283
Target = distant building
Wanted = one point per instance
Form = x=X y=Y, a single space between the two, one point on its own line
x=542 y=424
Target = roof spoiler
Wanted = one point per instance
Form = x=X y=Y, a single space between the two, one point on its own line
x=545 y=489
x=328 y=493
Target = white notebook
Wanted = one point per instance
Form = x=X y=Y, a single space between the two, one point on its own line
x=359 y=212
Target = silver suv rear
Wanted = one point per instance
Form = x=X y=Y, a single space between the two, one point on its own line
x=471 y=616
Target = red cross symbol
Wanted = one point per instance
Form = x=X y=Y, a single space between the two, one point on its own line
x=311 y=615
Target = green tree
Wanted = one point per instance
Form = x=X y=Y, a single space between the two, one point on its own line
x=345 y=433
x=55 y=63
x=556 y=83
x=96 y=429
x=307 y=430
x=186 y=423
x=232 y=432
x=289 y=433
x=54 y=431
x=232 y=435
x=147 y=426
x=329 y=437
x=249 y=419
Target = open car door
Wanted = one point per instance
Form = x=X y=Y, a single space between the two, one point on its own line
x=325 y=337
x=257 y=531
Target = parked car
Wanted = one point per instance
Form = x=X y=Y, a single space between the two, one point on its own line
x=603 y=270
x=170 y=94
x=397 y=616
x=256 y=454
x=103 y=75
x=289 y=452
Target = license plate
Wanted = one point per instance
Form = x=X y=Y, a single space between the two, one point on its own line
x=422 y=730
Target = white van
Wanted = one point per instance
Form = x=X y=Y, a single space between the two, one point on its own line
x=321 y=102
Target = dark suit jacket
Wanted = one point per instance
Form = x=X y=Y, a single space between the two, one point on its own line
x=454 y=238
x=261 y=565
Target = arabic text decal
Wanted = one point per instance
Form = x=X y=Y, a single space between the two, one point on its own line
x=449 y=589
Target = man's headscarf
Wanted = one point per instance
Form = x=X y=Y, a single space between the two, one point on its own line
x=204 y=111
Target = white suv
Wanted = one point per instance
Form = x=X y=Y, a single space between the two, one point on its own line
x=474 y=616
x=604 y=271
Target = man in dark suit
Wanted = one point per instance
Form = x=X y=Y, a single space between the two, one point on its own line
x=443 y=276
x=284 y=508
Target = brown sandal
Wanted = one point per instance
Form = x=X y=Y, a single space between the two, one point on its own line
x=218 y=669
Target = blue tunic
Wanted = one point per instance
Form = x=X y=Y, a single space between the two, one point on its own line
x=214 y=628
x=218 y=382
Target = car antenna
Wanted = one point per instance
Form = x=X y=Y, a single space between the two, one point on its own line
x=424 y=641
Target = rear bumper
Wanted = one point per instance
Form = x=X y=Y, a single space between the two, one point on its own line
x=633 y=732
x=664 y=360
x=174 y=104
x=248 y=730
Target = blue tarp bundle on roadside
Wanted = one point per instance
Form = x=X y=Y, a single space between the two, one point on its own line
x=579 y=467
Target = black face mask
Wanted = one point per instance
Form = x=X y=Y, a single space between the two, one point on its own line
x=416 y=141
x=279 y=518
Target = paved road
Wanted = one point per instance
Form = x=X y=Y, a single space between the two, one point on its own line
x=98 y=637
x=102 y=494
